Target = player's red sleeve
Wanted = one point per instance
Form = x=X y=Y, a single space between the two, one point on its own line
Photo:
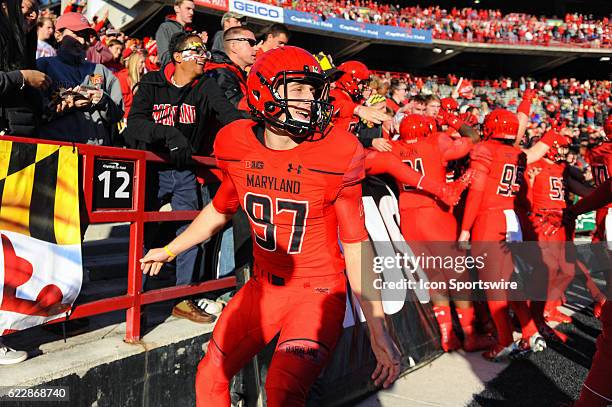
x=226 y=199
x=525 y=106
x=598 y=199
x=350 y=215
x=453 y=149
x=480 y=167
x=355 y=171
x=343 y=106
x=383 y=162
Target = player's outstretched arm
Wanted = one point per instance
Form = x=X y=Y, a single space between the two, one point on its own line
x=479 y=168
x=537 y=151
x=208 y=222
x=357 y=248
x=361 y=278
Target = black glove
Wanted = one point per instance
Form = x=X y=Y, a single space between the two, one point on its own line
x=180 y=149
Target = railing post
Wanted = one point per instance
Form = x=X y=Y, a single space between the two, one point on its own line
x=132 y=320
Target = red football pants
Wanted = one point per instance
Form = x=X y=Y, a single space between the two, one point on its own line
x=488 y=237
x=308 y=313
x=433 y=232
x=597 y=388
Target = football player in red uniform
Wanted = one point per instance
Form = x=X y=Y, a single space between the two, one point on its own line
x=347 y=97
x=548 y=179
x=300 y=186
x=423 y=218
x=490 y=220
x=443 y=110
x=600 y=159
x=597 y=388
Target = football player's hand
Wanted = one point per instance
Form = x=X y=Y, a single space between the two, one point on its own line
x=381 y=144
x=532 y=173
x=529 y=94
x=387 y=359
x=450 y=119
x=450 y=193
x=464 y=236
x=372 y=114
x=549 y=223
x=153 y=261
x=180 y=149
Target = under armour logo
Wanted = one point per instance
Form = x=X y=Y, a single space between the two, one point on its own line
x=298 y=169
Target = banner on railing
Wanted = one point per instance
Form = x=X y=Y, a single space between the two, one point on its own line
x=354 y=28
x=41 y=267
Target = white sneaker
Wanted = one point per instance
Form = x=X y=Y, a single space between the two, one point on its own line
x=9 y=356
x=210 y=306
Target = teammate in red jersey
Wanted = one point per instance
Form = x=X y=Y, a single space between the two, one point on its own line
x=347 y=97
x=548 y=179
x=300 y=186
x=490 y=220
x=600 y=159
x=423 y=218
x=597 y=388
x=443 y=110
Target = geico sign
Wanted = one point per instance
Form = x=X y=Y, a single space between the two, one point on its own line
x=258 y=10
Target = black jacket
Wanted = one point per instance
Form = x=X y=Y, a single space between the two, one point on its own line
x=229 y=76
x=20 y=109
x=159 y=110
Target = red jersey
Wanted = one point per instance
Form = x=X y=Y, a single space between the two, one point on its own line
x=344 y=108
x=548 y=190
x=600 y=159
x=429 y=157
x=498 y=178
x=296 y=200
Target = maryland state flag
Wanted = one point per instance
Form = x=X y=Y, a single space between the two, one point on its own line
x=40 y=258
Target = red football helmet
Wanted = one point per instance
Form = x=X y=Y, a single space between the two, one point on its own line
x=558 y=152
x=608 y=127
x=415 y=126
x=354 y=76
x=449 y=104
x=277 y=68
x=500 y=124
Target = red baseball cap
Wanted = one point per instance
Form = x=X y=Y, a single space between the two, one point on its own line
x=74 y=22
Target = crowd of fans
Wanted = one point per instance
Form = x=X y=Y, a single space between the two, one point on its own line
x=468 y=24
x=580 y=105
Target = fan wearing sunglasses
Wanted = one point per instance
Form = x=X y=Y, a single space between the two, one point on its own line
x=172 y=114
x=229 y=68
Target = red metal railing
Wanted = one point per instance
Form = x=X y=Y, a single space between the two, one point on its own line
x=137 y=217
